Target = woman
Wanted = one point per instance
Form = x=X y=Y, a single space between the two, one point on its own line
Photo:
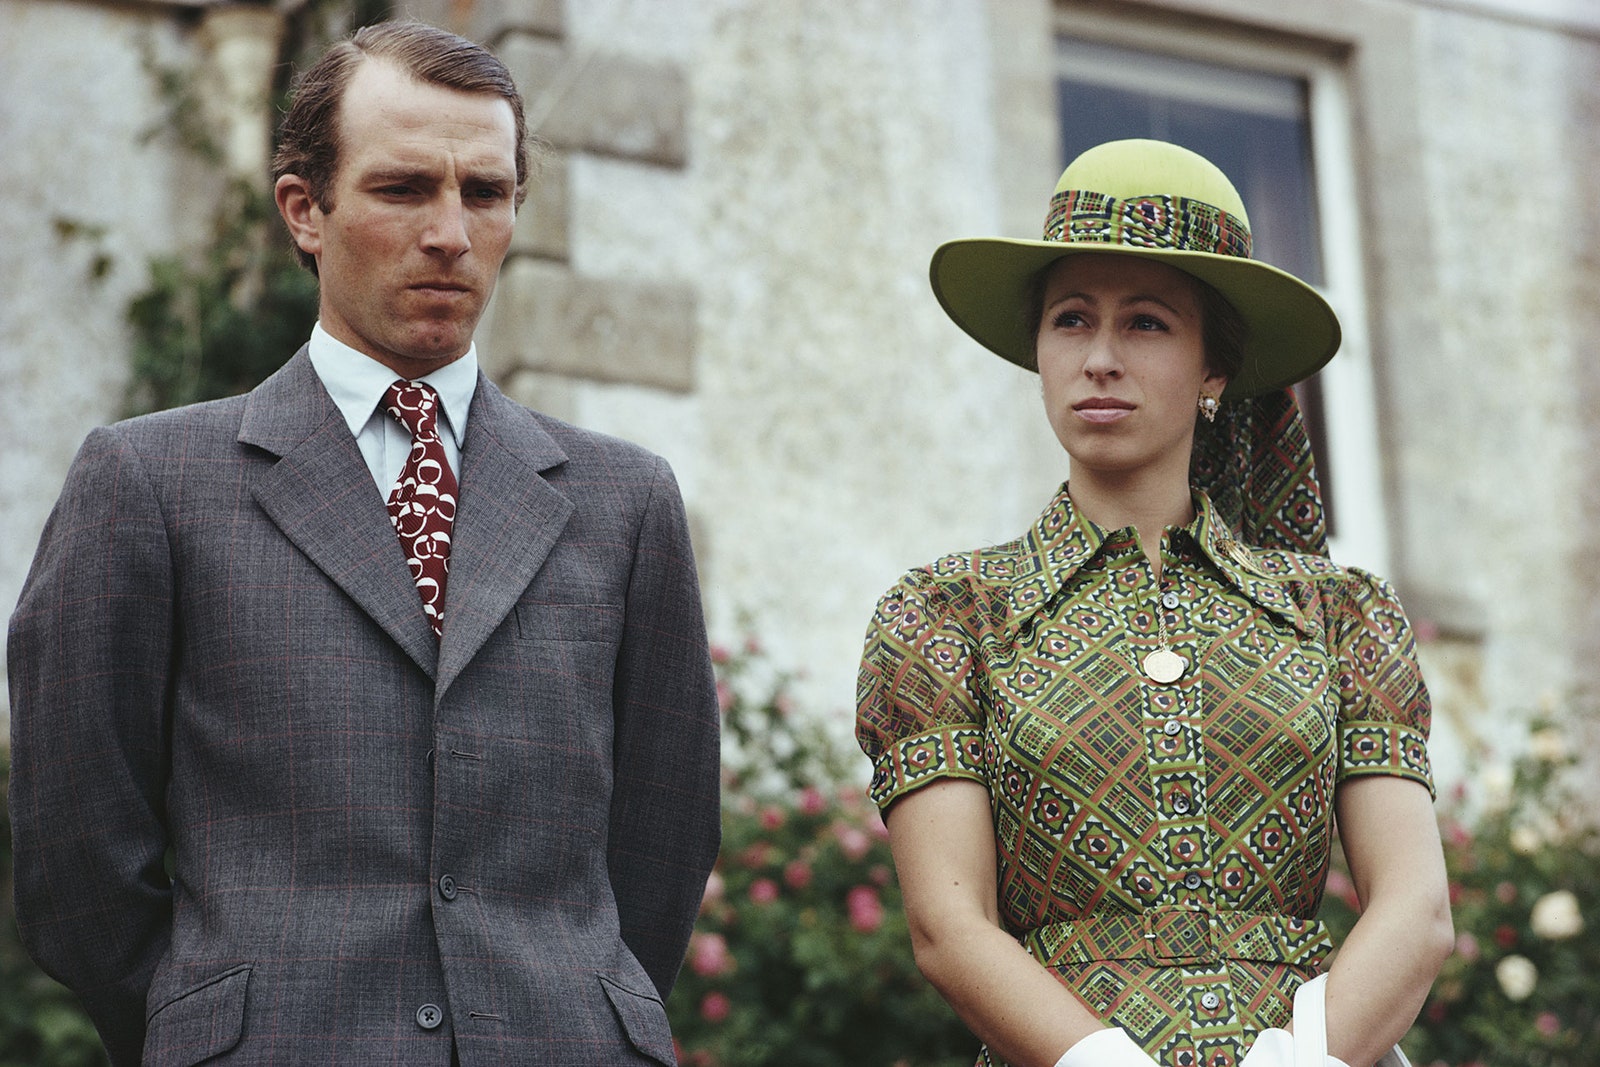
x=1111 y=752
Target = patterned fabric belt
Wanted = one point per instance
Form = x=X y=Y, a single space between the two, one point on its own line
x=1173 y=222
x=1178 y=934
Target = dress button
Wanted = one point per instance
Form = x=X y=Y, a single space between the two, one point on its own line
x=1209 y=1001
x=1191 y=880
x=447 y=887
x=1172 y=727
x=1180 y=804
x=1169 y=600
x=429 y=1016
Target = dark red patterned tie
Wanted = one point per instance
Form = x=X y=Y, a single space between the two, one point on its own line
x=423 y=503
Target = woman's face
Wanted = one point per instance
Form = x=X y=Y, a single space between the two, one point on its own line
x=1122 y=360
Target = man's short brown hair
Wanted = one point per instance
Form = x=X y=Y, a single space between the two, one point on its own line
x=309 y=138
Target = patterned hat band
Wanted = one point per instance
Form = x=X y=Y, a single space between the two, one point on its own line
x=1078 y=216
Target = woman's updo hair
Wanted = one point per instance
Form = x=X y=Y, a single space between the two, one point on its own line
x=1222 y=329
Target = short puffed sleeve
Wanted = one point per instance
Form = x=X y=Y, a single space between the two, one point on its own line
x=1385 y=712
x=918 y=714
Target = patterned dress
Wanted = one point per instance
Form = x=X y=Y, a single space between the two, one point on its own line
x=1162 y=848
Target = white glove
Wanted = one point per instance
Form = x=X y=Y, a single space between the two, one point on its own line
x=1275 y=1048
x=1106 y=1048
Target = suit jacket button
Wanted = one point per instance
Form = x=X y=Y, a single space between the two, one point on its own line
x=447 y=887
x=429 y=1016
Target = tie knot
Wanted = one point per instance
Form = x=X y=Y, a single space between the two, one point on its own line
x=416 y=406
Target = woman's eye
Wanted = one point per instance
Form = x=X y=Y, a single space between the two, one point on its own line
x=1147 y=322
x=1065 y=319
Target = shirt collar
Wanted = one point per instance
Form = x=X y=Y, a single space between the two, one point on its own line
x=1062 y=540
x=357 y=382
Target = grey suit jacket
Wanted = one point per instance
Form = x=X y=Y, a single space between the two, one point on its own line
x=260 y=816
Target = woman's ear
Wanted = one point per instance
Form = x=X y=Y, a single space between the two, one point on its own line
x=300 y=212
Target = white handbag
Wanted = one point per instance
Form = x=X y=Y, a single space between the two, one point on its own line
x=1311 y=1028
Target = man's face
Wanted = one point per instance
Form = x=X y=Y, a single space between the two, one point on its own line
x=422 y=205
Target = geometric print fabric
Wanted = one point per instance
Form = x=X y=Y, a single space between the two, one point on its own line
x=1196 y=817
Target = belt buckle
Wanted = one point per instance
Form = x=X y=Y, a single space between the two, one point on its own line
x=1178 y=933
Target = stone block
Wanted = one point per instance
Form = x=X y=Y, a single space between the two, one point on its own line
x=622 y=107
x=538 y=65
x=488 y=21
x=548 y=320
x=550 y=393
x=543 y=227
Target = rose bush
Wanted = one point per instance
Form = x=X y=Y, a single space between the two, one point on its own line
x=801 y=955
x=1523 y=852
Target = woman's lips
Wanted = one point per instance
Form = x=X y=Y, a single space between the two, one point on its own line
x=1102 y=409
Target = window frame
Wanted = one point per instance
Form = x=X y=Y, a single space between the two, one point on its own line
x=1349 y=405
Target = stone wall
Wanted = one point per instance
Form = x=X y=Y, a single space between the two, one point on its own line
x=726 y=261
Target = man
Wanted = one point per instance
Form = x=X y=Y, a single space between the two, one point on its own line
x=288 y=788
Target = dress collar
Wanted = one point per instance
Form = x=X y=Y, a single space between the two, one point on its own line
x=1063 y=540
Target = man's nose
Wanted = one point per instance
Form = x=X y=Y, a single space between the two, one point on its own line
x=446 y=232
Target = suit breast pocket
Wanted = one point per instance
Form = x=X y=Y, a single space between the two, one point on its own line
x=547 y=621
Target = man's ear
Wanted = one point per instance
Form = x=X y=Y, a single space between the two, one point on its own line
x=300 y=212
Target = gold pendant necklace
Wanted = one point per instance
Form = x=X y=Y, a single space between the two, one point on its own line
x=1163 y=666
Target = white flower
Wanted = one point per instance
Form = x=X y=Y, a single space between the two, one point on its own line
x=1496 y=781
x=1525 y=840
x=1556 y=916
x=1549 y=745
x=1517 y=976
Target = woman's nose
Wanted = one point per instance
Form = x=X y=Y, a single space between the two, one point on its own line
x=1102 y=360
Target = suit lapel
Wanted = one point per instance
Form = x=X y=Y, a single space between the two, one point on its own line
x=322 y=496
x=507 y=521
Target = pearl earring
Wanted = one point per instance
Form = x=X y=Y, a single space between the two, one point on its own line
x=1208 y=408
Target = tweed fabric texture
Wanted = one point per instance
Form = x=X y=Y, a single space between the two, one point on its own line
x=388 y=848
x=1163 y=848
x=1176 y=222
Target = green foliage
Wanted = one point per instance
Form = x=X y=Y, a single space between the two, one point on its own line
x=41 y=1024
x=801 y=955
x=218 y=326
x=1523 y=988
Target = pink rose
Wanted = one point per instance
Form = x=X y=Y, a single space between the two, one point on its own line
x=715 y=1007
x=854 y=843
x=1467 y=947
x=1548 y=1023
x=797 y=875
x=709 y=955
x=771 y=819
x=812 y=802
x=724 y=696
x=720 y=654
x=763 y=891
x=866 y=910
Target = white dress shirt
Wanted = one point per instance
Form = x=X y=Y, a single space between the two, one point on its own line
x=357 y=383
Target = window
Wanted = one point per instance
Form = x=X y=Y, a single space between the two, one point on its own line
x=1276 y=121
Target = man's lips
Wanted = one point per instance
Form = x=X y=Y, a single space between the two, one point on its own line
x=1102 y=409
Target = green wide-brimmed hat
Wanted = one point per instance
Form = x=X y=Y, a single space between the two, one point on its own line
x=1154 y=200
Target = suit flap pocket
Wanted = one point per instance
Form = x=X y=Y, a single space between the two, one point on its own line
x=644 y=1020
x=204 y=1020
